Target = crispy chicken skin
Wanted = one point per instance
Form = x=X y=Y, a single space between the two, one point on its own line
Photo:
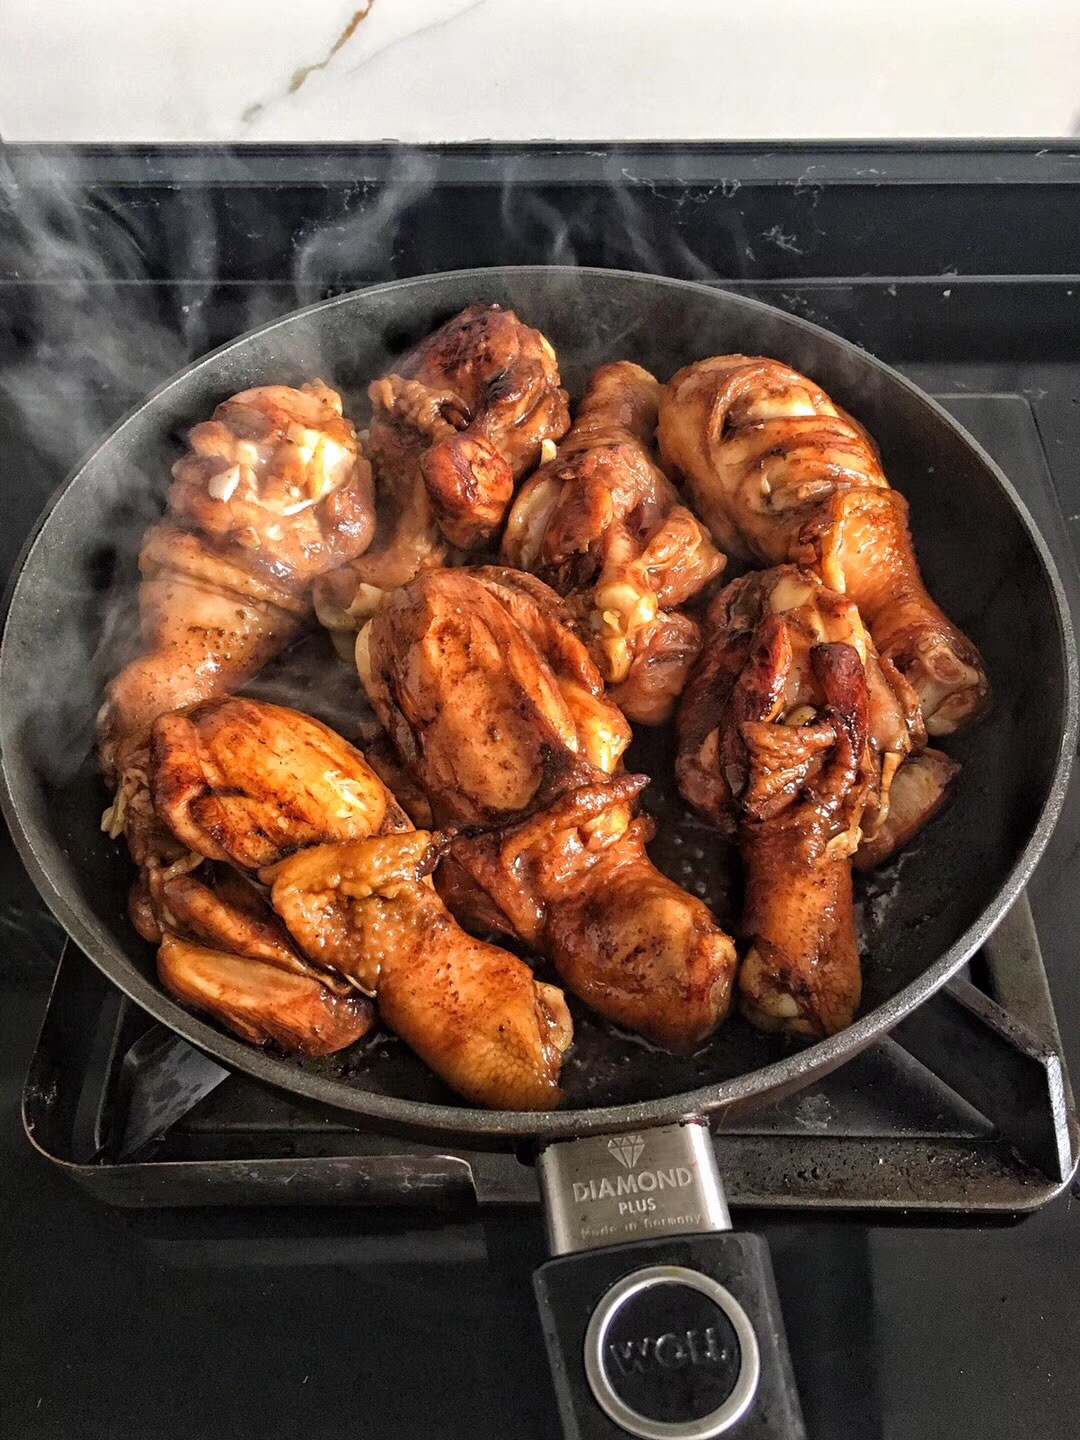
x=790 y=732
x=271 y=494
x=351 y=908
x=472 y=1012
x=779 y=474
x=603 y=525
x=494 y=705
x=459 y=421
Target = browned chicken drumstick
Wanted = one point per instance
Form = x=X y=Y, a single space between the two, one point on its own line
x=496 y=708
x=461 y=418
x=792 y=732
x=283 y=800
x=271 y=494
x=602 y=524
x=779 y=474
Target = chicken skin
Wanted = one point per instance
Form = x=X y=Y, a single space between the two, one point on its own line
x=487 y=696
x=472 y=1012
x=459 y=421
x=602 y=524
x=791 y=732
x=497 y=710
x=339 y=896
x=248 y=783
x=271 y=493
x=222 y=950
x=261 y=1002
x=780 y=474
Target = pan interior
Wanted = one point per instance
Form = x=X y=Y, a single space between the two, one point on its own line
x=72 y=622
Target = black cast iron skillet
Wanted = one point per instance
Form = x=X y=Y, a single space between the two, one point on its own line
x=70 y=614
x=677 y=1329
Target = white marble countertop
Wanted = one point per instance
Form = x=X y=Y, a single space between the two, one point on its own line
x=454 y=70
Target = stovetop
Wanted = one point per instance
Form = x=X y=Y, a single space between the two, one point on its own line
x=965 y=1107
x=388 y=1321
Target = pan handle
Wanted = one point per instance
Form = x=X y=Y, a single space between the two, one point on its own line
x=660 y=1321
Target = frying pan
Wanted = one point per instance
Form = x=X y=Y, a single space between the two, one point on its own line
x=70 y=618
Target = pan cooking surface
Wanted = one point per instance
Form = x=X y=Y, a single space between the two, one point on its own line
x=71 y=625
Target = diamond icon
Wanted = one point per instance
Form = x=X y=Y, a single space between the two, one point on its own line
x=626 y=1149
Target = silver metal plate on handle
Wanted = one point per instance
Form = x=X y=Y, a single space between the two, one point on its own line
x=609 y=1190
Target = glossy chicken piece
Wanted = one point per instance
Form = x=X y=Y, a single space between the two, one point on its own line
x=271 y=494
x=779 y=474
x=283 y=797
x=248 y=783
x=920 y=790
x=493 y=704
x=260 y=1002
x=489 y=699
x=463 y=416
x=472 y=1012
x=602 y=524
x=790 y=734
x=796 y=612
x=483 y=394
x=574 y=880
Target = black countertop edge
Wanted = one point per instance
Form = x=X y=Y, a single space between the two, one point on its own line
x=957 y=162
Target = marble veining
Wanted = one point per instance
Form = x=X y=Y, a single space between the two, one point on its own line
x=599 y=70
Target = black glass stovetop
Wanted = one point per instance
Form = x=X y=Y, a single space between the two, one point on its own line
x=420 y=1322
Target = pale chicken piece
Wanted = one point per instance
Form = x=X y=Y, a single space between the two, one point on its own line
x=791 y=734
x=223 y=951
x=246 y=782
x=920 y=790
x=472 y=1012
x=603 y=525
x=483 y=689
x=487 y=696
x=455 y=425
x=780 y=474
x=272 y=493
x=261 y=1002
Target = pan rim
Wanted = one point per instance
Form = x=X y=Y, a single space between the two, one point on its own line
x=781 y=1076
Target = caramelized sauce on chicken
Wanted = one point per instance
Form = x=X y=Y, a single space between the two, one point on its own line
x=779 y=473
x=603 y=525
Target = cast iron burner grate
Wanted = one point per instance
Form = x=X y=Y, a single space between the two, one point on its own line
x=966 y=1107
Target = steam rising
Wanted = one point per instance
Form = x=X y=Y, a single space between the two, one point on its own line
x=88 y=336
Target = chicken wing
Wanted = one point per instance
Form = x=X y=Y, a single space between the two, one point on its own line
x=261 y=1002
x=472 y=1012
x=248 y=783
x=463 y=417
x=222 y=950
x=351 y=908
x=780 y=474
x=602 y=524
x=790 y=732
x=494 y=705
